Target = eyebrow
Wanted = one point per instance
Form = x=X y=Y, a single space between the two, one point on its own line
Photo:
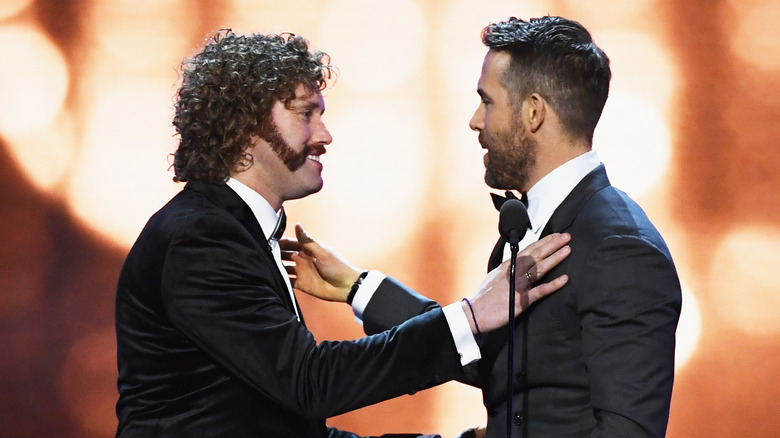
x=306 y=105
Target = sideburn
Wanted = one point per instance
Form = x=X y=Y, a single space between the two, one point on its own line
x=292 y=160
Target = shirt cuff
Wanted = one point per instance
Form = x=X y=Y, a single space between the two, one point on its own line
x=365 y=292
x=467 y=347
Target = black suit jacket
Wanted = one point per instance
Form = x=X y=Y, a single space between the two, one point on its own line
x=596 y=358
x=209 y=344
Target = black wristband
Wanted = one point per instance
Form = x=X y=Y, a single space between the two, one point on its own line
x=355 y=287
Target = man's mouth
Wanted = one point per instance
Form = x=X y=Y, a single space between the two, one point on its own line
x=313 y=158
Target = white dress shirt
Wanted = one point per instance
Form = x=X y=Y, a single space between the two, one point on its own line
x=547 y=194
x=267 y=218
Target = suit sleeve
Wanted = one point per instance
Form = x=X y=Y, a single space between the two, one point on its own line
x=392 y=304
x=218 y=289
x=629 y=315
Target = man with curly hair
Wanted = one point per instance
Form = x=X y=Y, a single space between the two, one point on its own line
x=211 y=342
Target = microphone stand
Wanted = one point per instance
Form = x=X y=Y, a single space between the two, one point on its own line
x=514 y=241
x=512 y=224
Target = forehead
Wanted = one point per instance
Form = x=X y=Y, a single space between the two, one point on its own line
x=493 y=68
x=307 y=97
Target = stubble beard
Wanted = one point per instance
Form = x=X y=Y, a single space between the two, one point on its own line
x=511 y=156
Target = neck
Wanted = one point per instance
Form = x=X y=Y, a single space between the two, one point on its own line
x=553 y=155
x=264 y=191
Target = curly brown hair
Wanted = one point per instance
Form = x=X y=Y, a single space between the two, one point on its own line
x=226 y=94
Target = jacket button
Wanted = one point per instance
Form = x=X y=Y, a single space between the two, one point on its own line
x=518 y=419
x=519 y=376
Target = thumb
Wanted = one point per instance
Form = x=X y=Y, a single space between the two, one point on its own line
x=301 y=235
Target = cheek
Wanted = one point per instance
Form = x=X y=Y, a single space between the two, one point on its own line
x=494 y=126
x=497 y=121
x=301 y=138
x=493 y=123
x=295 y=133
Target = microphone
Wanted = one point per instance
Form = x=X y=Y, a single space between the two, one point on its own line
x=513 y=222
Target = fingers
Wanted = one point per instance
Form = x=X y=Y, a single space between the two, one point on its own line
x=540 y=269
x=540 y=257
x=308 y=245
x=288 y=255
x=300 y=233
x=541 y=291
x=541 y=249
x=286 y=244
x=289 y=247
x=303 y=245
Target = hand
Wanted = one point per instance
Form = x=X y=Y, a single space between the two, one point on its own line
x=490 y=301
x=319 y=271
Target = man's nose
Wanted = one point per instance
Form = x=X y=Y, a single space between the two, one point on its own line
x=477 y=121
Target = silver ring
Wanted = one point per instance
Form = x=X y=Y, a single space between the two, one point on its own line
x=528 y=277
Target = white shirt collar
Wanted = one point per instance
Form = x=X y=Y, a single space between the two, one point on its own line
x=264 y=213
x=267 y=218
x=547 y=194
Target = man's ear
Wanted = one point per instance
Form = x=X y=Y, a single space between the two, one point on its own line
x=534 y=111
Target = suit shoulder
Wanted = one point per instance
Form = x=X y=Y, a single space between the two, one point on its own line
x=188 y=206
x=611 y=213
x=186 y=212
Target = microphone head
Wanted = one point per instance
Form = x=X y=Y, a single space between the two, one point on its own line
x=513 y=217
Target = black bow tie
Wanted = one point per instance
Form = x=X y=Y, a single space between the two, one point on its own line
x=499 y=200
x=497 y=255
x=280 y=226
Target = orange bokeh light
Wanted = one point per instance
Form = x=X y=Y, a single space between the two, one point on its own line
x=33 y=80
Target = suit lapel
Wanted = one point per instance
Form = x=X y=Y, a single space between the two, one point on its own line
x=566 y=212
x=225 y=198
x=497 y=255
x=496 y=342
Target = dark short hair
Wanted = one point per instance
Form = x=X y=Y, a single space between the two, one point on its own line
x=226 y=94
x=557 y=58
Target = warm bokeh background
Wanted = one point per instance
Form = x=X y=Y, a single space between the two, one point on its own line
x=690 y=131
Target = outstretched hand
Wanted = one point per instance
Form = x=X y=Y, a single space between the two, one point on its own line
x=490 y=302
x=318 y=270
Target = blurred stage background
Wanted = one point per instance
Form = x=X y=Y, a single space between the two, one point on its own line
x=690 y=130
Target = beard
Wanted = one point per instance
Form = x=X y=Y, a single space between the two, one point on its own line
x=291 y=158
x=511 y=157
